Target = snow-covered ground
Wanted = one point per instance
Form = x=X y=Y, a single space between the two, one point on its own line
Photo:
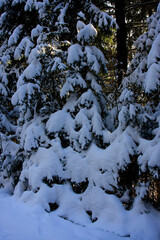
x=23 y=221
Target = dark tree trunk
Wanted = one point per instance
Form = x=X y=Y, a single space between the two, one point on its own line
x=121 y=39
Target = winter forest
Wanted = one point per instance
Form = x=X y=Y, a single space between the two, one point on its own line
x=80 y=119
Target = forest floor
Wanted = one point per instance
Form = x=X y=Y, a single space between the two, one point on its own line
x=23 y=221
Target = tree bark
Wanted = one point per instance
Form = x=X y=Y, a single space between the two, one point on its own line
x=121 y=39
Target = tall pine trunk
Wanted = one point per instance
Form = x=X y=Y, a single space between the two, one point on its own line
x=121 y=39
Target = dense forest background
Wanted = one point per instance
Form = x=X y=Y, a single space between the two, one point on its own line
x=80 y=111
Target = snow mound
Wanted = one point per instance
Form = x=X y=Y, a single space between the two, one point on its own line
x=32 y=222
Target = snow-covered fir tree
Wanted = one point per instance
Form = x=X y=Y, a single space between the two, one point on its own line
x=9 y=71
x=139 y=110
x=65 y=161
x=149 y=148
x=32 y=44
x=32 y=64
x=75 y=173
